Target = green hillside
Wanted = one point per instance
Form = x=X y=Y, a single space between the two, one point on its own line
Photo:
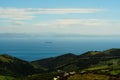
x=97 y=64
x=92 y=65
x=54 y=62
x=107 y=62
x=12 y=66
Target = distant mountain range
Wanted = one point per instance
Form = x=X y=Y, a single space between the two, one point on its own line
x=97 y=62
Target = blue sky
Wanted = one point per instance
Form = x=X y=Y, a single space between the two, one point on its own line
x=60 y=18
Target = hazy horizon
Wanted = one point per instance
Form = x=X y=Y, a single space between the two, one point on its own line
x=59 y=19
x=73 y=26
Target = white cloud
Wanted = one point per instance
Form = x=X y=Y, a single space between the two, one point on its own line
x=81 y=26
x=29 y=13
x=64 y=10
x=76 y=22
x=18 y=23
x=59 y=26
x=15 y=14
x=67 y=27
x=82 y=22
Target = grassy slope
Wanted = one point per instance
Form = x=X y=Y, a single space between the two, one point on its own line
x=92 y=61
x=14 y=67
x=100 y=62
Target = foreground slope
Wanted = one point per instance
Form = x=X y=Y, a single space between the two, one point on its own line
x=54 y=62
x=107 y=62
x=12 y=66
x=92 y=63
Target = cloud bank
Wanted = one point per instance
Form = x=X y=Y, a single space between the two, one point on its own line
x=61 y=27
x=66 y=27
x=29 y=13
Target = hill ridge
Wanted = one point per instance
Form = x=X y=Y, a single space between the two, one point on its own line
x=105 y=62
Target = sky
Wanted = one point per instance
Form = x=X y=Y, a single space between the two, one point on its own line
x=60 y=18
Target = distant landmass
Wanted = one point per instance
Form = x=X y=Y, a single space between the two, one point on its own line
x=48 y=42
x=92 y=65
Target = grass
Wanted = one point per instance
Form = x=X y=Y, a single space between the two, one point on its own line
x=6 y=58
x=6 y=78
x=89 y=76
x=3 y=59
x=98 y=67
x=115 y=72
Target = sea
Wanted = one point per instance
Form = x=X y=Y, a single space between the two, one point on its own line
x=35 y=49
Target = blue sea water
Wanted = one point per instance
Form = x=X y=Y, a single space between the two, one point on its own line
x=33 y=49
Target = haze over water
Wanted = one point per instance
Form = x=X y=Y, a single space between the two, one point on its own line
x=37 y=29
x=33 y=49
